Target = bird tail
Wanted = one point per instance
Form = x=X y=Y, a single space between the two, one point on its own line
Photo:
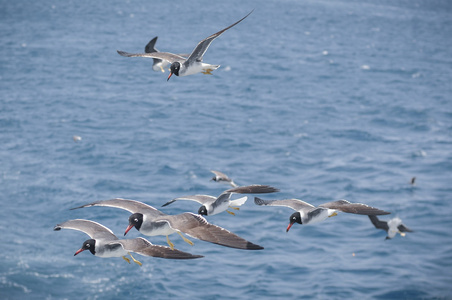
x=239 y=202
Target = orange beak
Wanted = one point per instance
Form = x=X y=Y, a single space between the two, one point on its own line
x=128 y=229
x=78 y=251
x=288 y=227
x=169 y=76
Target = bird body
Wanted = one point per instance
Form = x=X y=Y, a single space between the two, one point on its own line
x=392 y=227
x=214 y=205
x=104 y=243
x=308 y=214
x=181 y=66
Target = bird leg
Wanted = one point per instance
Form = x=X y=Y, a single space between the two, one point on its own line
x=230 y=212
x=169 y=243
x=126 y=259
x=332 y=215
x=236 y=208
x=185 y=239
x=134 y=260
x=207 y=71
x=161 y=68
x=402 y=233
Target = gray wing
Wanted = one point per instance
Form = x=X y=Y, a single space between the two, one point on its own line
x=201 y=199
x=198 y=227
x=295 y=204
x=146 y=248
x=379 y=224
x=354 y=208
x=220 y=176
x=169 y=57
x=91 y=228
x=129 y=205
x=150 y=47
x=203 y=45
x=403 y=228
x=253 y=189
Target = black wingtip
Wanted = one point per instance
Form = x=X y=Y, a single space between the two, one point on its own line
x=57 y=228
x=251 y=246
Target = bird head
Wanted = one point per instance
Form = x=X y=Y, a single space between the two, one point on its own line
x=174 y=69
x=87 y=245
x=294 y=218
x=135 y=220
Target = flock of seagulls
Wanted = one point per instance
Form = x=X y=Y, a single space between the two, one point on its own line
x=150 y=221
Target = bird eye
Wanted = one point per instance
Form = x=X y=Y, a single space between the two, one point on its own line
x=136 y=220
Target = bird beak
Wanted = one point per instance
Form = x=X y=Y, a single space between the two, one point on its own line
x=169 y=76
x=128 y=229
x=78 y=251
x=288 y=227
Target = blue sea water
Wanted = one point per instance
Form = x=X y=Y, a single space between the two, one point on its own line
x=325 y=100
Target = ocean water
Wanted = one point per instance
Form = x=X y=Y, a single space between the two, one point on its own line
x=324 y=100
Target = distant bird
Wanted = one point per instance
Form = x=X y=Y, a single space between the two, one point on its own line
x=76 y=138
x=309 y=214
x=392 y=227
x=413 y=181
x=181 y=66
x=104 y=243
x=150 y=221
x=212 y=205
x=221 y=177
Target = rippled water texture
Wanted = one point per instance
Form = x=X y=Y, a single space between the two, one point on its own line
x=324 y=100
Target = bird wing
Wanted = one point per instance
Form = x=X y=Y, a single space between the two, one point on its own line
x=202 y=199
x=403 y=228
x=198 y=227
x=253 y=189
x=203 y=45
x=295 y=204
x=169 y=57
x=91 y=228
x=146 y=248
x=220 y=175
x=150 y=47
x=354 y=208
x=129 y=205
x=379 y=224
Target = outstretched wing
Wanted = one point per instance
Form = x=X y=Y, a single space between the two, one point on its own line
x=198 y=227
x=354 y=208
x=201 y=199
x=295 y=204
x=91 y=228
x=129 y=205
x=169 y=57
x=203 y=45
x=403 y=228
x=146 y=248
x=378 y=223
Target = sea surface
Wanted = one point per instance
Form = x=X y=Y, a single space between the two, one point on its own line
x=325 y=100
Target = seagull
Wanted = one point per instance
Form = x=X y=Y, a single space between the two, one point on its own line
x=212 y=205
x=104 y=243
x=181 y=66
x=309 y=214
x=150 y=221
x=392 y=227
x=221 y=177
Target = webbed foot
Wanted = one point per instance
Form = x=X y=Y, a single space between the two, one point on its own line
x=126 y=259
x=185 y=239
